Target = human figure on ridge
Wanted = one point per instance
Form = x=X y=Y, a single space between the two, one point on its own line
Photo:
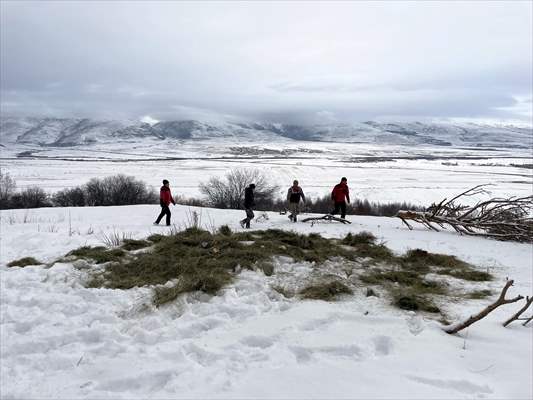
x=248 y=204
x=165 y=198
x=340 y=195
x=294 y=194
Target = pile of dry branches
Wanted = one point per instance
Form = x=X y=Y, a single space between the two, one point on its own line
x=499 y=218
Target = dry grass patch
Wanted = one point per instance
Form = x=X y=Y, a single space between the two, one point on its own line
x=134 y=244
x=198 y=260
x=479 y=294
x=24 y=262
x=99 y=254
x=410 y=300
x=326 y=291
x=365 y=246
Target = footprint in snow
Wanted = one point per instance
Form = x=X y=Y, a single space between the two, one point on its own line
x=383 y=345
x=257 y=341
x=415 y=324
x=459 y=385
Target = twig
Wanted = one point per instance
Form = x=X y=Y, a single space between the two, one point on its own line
x=529 y=300
x=327 y=217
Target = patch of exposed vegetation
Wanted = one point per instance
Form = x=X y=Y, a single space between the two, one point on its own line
x=225 y=230
x=410 y=279
x=99 y=254
x=479 y=294
x=154 y=238
x=405 y=277
x=442 y=264
x=134 y=244
x=407 y=300
x=267 y=267
x=24 y=262
x=197 y=260
x=366 y=246
x=326 y=291
x=286 y=292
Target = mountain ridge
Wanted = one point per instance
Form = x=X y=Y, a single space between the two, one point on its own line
x=62 y=132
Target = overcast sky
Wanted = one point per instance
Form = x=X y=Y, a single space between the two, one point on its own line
x=278 y=61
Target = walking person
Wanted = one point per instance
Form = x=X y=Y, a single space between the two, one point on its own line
x=248 y=204
x=165 y=198
x=340 y=195
x=294 y=194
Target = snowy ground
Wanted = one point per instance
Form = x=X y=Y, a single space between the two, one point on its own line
x=60 y=340
x=377 y=173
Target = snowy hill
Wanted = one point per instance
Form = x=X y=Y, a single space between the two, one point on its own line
x=80 y=132
x=60 y=339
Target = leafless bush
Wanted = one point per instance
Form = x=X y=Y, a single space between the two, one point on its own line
x=32 y=197
x=118 y=190
x=228 y=192
x=74 y=197
x=7 y=188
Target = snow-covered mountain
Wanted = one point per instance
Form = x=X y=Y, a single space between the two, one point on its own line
x=77 y=131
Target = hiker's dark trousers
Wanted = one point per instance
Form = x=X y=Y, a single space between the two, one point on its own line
x=164 y=211
x=249 y=216
x=340 y=206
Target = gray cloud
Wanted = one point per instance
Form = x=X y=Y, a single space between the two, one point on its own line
x=280 y=61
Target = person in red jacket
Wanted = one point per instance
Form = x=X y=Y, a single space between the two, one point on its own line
x=165 y=198
x=340 y=195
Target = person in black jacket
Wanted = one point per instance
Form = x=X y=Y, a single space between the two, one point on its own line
x=248 y=204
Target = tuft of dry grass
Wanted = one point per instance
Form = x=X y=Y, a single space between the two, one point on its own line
x=326 y=291
x=99 y=254
x=24 y=262
x=133 y=244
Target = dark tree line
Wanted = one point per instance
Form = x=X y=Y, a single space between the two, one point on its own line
x=110 y=191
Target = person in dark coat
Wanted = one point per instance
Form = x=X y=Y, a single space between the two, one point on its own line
x=340 y=195
x=248 y=204
x=294 y=195
x=165 y=198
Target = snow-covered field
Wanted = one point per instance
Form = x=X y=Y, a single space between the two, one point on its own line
x=61 y=340
x=418 y=174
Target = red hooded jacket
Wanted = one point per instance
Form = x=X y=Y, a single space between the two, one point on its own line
x=340 y=193
x=165 y=197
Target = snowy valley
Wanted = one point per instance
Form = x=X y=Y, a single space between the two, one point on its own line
x=62 y=338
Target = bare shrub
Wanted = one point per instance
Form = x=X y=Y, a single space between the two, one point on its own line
x=7 y=188
x=228 y=192
x=118 y=190
x=74 y=197
x=32 y=197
